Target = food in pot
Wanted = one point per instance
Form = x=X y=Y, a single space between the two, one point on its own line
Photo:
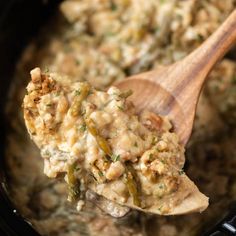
x=70 y=47
x=98 y=141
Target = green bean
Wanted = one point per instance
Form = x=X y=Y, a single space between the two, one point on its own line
x=133 y=184
x=73 y=183
x=80 y=96
x=102 y=142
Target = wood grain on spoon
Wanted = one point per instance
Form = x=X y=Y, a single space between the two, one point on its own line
x=174 y=90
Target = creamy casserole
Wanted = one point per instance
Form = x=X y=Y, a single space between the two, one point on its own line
x=76 y=47
x=99 y=142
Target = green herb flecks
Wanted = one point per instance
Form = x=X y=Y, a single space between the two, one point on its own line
x=150 y=158
x=46 y=153
x=154 y=140
x=83 y=128
x=77 y=62
x=120 y=108
x=200 y=38
x=77 y=92
x=113 y=6
x=160 y=208
x=46 y=70
x=115 y=157
x=58 y=93
x=161 y=186
x=163 y=162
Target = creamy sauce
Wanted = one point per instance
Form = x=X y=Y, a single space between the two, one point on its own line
x=96 y=139
x=66 y=48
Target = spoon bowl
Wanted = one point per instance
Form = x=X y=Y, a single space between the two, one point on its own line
x=150 y=95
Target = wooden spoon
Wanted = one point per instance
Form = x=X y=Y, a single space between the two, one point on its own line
x=174 y=90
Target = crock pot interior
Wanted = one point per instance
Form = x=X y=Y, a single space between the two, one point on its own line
x=19 y=22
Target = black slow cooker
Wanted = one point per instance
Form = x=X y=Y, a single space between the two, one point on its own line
x=19 y=21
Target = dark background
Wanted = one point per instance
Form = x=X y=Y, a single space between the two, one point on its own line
x=19 y=22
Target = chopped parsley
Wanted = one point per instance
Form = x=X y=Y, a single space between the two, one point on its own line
x=121 y=108
x=83 y=111
x=200 y=37
x=181 y=172
x=150 y=157
x=136 y=144
x=93 y=177
x=47 y=153
x=154 y=140
x=100 y=173
x=58 y=93
x=77 y=62
x=113 y=6
x=159 y=208
x=83 y=127
x=115 y=157
x=163 y=162
x=161 y=186
x=90 y=92
x=77 y=92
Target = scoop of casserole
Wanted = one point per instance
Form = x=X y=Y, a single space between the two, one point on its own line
x=98 y=142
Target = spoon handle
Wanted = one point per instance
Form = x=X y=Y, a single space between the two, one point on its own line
x=196 y=66
x=201 y=61
x=186 y=77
